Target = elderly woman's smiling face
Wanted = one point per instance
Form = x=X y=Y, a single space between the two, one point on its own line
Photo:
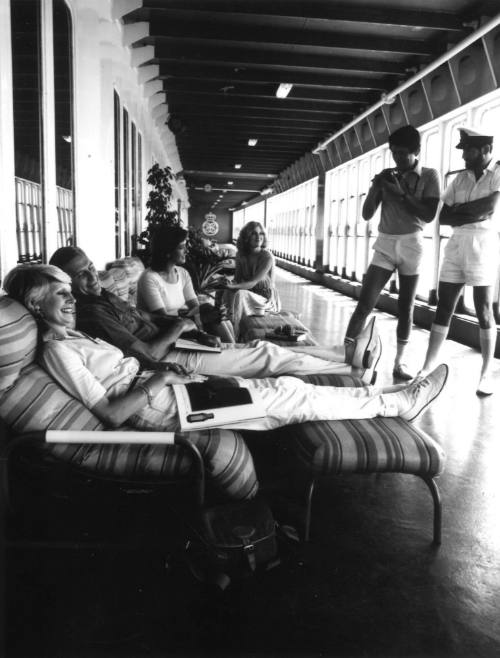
x=57 y=307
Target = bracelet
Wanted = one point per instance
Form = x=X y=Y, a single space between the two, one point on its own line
x=146 y=391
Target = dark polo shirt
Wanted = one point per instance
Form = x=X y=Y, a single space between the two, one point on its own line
x=108 y=317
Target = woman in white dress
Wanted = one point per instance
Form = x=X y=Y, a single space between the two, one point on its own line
x=252 y=292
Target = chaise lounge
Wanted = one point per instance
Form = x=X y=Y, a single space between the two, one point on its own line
x=30 y=401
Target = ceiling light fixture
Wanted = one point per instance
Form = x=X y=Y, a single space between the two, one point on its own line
x=267 y=190
x=252 y=141
x=67 y=138
x=237 y=166
x=230 y=182
x=283 y=90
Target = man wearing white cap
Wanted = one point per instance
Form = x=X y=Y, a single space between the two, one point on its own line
x=471 y=255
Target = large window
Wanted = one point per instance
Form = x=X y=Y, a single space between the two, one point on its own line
x=26 y=52
x=27 y=60
x=291 y=222
x=128 y=180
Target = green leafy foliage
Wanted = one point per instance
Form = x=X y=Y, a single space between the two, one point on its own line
x=203 y=262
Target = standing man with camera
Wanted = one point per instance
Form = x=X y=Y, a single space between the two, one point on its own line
x=409 y=197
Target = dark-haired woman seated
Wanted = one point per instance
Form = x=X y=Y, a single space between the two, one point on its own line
x=252 y=292
x=166 y=287
x=106 y=382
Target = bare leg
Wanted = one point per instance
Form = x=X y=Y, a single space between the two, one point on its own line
x=406 y=301
x=375 y=279
x=487 y=337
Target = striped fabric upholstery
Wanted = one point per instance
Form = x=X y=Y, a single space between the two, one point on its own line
x=332 y=380
x=366 y=446
x=30 y=400
x=18 y=343
x=36 y=402
x=372 y=445
x=227 y=460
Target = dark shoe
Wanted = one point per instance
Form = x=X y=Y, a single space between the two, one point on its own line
x=370 y=374
x=367 y=347
x=401 y=372
x=423 y=391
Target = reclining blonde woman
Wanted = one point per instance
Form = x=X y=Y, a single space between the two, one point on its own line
x=252 y=292
x=107 y=382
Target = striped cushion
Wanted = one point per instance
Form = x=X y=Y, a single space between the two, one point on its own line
x=332 y=380
x=18 y=340
x=366 y=446
x=227 y=460
x=36 y=402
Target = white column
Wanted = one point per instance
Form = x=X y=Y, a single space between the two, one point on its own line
x=8 y=244
x=48 y=130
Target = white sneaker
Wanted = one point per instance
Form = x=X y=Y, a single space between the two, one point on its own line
x=422 y=392
x=368 y=346
x=486 y=386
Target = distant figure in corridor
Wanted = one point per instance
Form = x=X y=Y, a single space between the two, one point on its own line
x=408 y=195
x=252 y=292
x=471 y=255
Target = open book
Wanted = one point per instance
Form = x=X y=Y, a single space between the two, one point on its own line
x=215 y=403
x=193 y=346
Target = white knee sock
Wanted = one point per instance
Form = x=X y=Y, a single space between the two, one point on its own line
x=436 y=339
x=487 y=341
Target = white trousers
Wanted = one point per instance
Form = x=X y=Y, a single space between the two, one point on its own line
x=288 y=400
x=263 y=359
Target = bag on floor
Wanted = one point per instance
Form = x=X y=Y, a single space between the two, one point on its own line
x=236 y=540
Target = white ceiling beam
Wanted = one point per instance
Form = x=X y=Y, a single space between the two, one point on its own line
x=141 y=55
x=122 y=7
x=133 y=32
x=147 y=73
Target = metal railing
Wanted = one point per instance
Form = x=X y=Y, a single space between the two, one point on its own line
x=29 y=224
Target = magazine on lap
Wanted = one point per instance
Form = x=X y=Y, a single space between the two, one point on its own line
x=194 y=346
x=215 y=403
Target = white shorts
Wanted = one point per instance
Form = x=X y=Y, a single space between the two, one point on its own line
x=399 y=252
x=471 y=258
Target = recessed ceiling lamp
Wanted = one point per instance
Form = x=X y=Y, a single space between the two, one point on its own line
x=252 y=141
x=230 y=182
x=283 y=90
x=237 y=166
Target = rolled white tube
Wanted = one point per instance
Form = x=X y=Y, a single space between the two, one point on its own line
x=99 y=436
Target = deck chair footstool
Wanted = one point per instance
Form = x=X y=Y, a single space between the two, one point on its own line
x=378 y=445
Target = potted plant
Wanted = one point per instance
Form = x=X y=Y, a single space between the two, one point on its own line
x=203 y=262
